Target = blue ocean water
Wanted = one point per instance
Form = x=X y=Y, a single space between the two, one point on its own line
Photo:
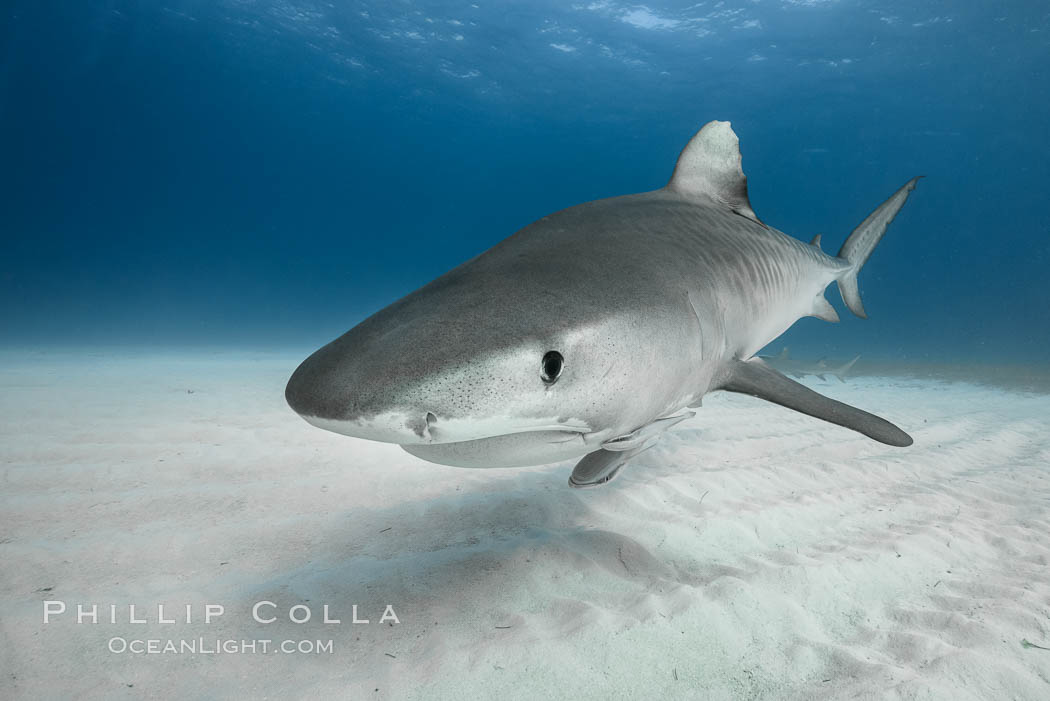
x=268 y=173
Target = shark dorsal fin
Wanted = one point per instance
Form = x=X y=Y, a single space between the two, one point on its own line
x=710 y=165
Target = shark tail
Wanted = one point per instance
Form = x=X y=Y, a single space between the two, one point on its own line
x=842 y=371
x=862 y=242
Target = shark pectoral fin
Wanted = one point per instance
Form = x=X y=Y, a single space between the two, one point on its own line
x=601 y=467
x=756 y=378
x=638 y=437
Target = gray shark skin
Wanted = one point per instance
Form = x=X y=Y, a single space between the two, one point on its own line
x=591 y=331
x=800 y=368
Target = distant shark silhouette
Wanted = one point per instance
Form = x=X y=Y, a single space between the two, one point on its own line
x=591 y=331
x=798 y=368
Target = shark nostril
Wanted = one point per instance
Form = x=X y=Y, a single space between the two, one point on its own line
x=428 y=424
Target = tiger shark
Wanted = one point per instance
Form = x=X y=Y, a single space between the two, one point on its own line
x=590 y=332
x=800 y=368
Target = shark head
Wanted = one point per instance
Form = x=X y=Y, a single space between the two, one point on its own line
x=486 y=366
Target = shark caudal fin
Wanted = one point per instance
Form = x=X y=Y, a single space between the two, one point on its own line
x=841 y=372
x=862 y=242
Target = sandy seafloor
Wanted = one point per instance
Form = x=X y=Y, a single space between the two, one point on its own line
x=755 y=553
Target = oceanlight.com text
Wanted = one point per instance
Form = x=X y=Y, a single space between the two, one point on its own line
x=217 y=646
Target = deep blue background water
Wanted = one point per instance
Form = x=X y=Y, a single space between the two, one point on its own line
x=270 y=173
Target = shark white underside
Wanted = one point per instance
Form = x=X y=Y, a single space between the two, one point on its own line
x=485 y=442
x=594 y=330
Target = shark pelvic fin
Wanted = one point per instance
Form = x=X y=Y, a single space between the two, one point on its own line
x=710 y=165
x=862 y=242
x=756 y=378
x=601 y=467
x=822 y=309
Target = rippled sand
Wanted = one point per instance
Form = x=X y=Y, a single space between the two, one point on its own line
x=755 y=553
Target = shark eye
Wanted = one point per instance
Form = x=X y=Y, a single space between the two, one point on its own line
x=550 y=370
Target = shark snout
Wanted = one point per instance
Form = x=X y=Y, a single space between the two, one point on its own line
x=341 y=395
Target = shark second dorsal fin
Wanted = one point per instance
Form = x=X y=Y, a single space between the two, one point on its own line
x=710 y=165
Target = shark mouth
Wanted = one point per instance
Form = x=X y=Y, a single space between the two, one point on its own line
x=428 y=429
x=458 y=431
x=533 y=446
